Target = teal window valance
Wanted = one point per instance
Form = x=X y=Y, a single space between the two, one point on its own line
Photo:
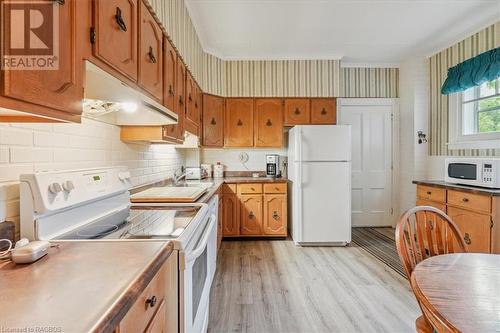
x=473 y=72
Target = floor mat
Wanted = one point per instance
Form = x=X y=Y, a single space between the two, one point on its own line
x=379 y=243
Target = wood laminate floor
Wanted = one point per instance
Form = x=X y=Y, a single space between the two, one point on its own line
x=274 y=286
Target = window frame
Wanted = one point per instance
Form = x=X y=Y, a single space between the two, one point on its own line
x=458 y=140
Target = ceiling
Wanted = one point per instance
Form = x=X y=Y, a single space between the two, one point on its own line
x=359 y=32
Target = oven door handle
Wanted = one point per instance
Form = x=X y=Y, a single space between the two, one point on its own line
x=192 y=255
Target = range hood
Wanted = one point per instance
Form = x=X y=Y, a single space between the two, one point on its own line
x=109 y=100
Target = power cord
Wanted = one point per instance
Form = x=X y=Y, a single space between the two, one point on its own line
x=6 y=253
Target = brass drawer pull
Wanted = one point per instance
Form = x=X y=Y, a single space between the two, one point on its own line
x=151 y=55
x=467 y=239
x=269 y=123
x=429 y=192
x=151 y=302
x=297 y=111
x=119 y=19
x=240 y=123
x=213 y=122
x=465 y=200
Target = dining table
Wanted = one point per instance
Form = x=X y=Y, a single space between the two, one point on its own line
x=459 y=292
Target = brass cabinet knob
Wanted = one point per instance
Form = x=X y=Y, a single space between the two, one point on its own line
x=275 y=215
x=297 y=111
x=323 y=111
x=465 y=199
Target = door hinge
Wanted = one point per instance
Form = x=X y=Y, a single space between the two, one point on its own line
x=92 y=35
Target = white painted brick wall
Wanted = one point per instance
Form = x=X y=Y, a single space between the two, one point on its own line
x=27 y=148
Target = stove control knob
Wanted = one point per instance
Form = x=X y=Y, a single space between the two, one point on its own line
x=55 y=188
x=68 y=186
x=124 y=175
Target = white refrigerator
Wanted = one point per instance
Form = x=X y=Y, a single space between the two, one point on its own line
x=319 y=170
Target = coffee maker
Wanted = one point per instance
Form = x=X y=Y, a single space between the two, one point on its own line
x=272 y=166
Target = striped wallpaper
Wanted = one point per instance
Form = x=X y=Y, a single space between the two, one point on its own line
x=369 y=82
x=269 y=78
x=290 y=78
x=480 y=42
x=176 y=20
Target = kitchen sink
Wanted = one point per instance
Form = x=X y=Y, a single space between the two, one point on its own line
x=195 y=183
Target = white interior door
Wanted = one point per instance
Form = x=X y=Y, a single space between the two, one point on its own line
x=371 y=162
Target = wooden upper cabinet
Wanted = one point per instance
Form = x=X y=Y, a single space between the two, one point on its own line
x=115 y=24
x=275 y=215
x=60 y=89
x=169 y=66
x=238 y=122
x=192 y=112
x=323 y=111
x=150 y=54
x=268 y=130
x=251 y=215
x=297 y=111
x=213 y=121
x=176 y=132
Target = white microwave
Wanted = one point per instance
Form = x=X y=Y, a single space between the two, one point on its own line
x=482 y=172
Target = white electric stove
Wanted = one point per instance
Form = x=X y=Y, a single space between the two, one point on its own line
x=94 y=205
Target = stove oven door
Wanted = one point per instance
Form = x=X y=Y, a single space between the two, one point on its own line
x=197 y=268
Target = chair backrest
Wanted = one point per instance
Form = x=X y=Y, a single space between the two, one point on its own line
x=423 y=232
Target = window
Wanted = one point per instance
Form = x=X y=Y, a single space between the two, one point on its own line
x=475 y=117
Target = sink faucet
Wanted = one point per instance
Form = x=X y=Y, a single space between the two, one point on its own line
x=178 y=175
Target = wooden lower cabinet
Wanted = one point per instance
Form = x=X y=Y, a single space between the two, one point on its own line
x=250 y=215
x=275 y=214
x=156 y=309
x=475 y=228
x=477 y=216
x=230 y=215
x=256 y=210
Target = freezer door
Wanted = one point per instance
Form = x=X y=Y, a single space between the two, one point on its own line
x=324 y=206
x=319 y=143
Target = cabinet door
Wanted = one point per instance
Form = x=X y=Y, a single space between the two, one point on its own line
x=297 y=111
x=192 y=116
x=268 y=128
x=238 y=122
x=115 y=24
x=230 y=215
x=213 y=121
x=60 y=89
x=176 y=132
x=251 y=215
x=323 y=111
x=275 y=214
x=475 y=227
x=150 y=54
x=169 y=65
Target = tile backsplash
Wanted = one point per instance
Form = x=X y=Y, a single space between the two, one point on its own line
x=229 y=158
x=27 y=148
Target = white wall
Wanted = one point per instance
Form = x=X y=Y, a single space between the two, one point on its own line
x=229 y=158
x=414 y=115
x=26 y=148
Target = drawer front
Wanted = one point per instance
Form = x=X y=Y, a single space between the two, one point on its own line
x=249 y=188
x=275 y=188
x=474 y=227
x=431 y=193
x=440 y=206
x=476 y=202
x=229 y=188
x=139 y=316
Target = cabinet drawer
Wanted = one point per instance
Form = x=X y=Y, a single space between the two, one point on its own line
x=151 y=299
x=249 y=188
x=474 y=227
x=431 y=193
x=476 y=202
x=440 y=206
x=275 y=188
x=229 y=188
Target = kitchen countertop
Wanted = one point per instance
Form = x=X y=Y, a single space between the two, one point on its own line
x=463 y=188
x=78 y=286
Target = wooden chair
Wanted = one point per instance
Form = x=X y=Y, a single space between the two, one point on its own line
x=423 y=232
